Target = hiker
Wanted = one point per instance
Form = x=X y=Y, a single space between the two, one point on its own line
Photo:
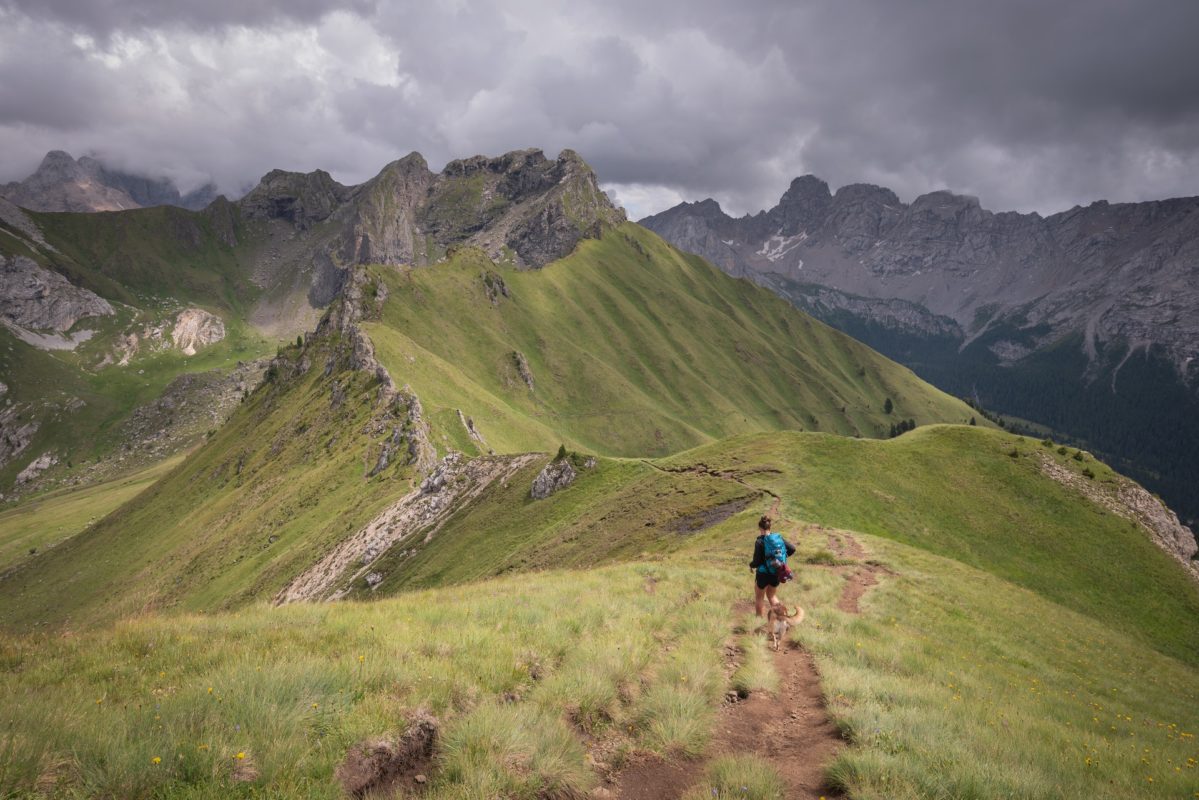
x=769 y=565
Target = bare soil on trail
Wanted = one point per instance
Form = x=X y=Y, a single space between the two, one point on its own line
x=858 y=578
x=791 y=730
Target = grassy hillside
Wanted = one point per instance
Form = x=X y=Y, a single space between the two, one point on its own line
x=979 y=496
x=952 y=682
x=633 y=349
x=291 y=475
x=164 y=251
x=57 y=516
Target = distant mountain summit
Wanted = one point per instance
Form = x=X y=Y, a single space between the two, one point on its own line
x=1085 y=320
x=520 y=207
x=62 y=183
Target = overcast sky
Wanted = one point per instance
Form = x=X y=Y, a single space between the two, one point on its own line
x=1034 y=105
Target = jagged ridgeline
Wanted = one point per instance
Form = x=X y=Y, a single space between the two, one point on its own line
x=515 y=311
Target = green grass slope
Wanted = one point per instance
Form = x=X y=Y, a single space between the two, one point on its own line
x=59 y=515
x=980 y=497
x=634 y=349
x=953 y=682
x=287 y=478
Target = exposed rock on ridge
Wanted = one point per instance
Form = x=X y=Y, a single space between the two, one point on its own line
x=1132 y=502
x=419 y=515
x=556 y=476
x=520 y=207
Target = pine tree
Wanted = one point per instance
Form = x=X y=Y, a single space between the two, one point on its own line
x=888 y=406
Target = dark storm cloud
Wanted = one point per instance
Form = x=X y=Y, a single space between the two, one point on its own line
x=102 y=17
x=1028 y=105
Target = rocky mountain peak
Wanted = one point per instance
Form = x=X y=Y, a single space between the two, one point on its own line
x=866 y=193
x=301 y=198
x=521 y=208
x=62 y=183
x=802 y=207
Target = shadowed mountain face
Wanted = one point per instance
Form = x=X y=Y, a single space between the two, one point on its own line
x=1087 y=320
x=63 y=184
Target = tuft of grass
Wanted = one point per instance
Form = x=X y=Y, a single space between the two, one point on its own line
x=755 y=672
x=512 y=751
x=738 y=777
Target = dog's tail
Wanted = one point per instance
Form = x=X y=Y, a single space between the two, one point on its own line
x=797 y=615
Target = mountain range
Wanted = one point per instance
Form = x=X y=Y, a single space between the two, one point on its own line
x=1085 y=321
x=61 y=183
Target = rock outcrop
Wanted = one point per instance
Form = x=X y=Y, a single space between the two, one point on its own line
x=17 y=427
x=196 y=328
x=414 y=519
x=33 y=299
x=1132 y=502
x=36 y=467
x=556 y=476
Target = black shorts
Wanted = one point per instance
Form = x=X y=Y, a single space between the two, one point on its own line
x=765 y=579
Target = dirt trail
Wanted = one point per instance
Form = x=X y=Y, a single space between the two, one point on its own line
x=791 y=730
x=859 y=578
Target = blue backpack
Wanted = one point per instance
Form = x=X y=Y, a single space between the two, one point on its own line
x=775 y=551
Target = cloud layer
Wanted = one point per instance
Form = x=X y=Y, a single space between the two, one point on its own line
x=1028 y=105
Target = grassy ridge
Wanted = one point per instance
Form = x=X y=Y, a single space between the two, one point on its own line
x=952 y=683
x=960 y=492
x=634 y=350
x=282 y=481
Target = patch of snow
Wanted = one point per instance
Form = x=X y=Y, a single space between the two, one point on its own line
x=777 y=246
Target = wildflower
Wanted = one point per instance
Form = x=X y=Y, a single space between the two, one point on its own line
x=210 y=690
x=240 y=755
x=361 y=659
x=314 y=705
x=156 y=760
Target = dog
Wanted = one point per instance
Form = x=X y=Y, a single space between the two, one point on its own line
x=778 y=622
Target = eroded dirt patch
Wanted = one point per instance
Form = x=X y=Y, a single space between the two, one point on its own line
x=694 y=523
x=386 y=766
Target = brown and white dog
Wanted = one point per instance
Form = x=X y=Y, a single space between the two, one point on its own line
x=778 y=622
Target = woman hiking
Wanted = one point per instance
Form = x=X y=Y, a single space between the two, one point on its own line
x=769 y=564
